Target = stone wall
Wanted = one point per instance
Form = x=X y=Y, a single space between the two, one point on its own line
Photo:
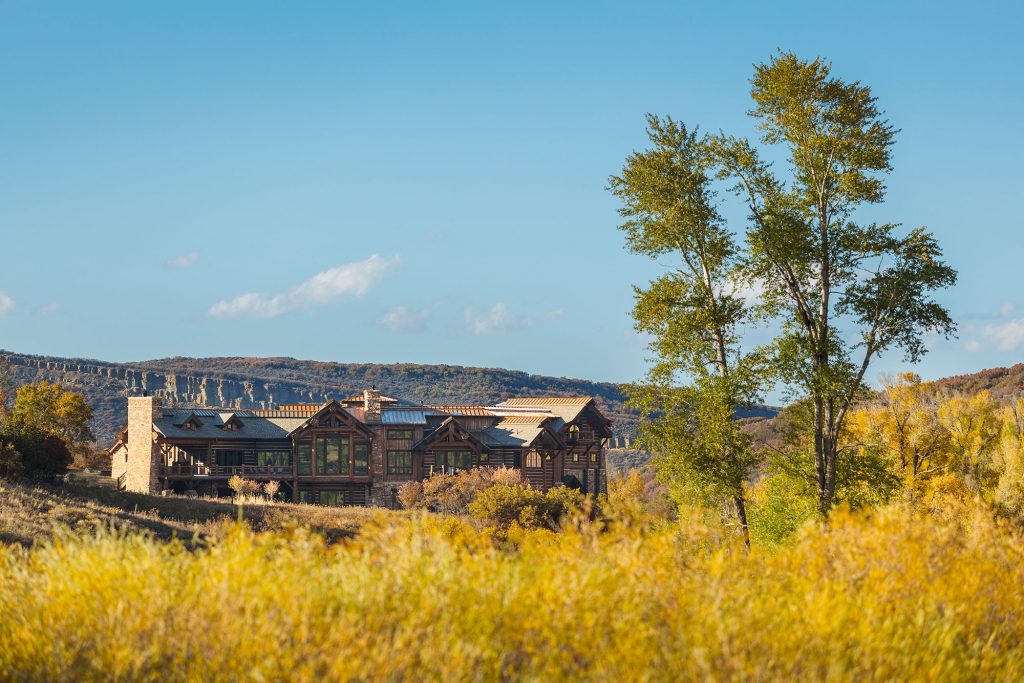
x=143 y=466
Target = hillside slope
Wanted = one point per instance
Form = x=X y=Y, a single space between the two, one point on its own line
x=1001 y=382
x=263 y=382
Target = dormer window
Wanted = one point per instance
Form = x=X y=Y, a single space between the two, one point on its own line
x=191 y=424
x=232 y=424
x=574 y=433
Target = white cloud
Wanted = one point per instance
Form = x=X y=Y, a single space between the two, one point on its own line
x=184 y=261
x=1006 y=309
x=6 y=303
x=751 y=292
x=50 y=309
x=1008 y=336
x=498 y=320
x=404 y=320
x=554 y=313
x=350 y=279
x=972 y=346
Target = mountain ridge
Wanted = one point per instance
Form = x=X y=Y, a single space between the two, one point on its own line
x=251 y=382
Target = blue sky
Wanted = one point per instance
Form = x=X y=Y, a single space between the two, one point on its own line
x=424 y=182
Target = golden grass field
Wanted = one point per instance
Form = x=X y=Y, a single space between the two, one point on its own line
x=885 y=595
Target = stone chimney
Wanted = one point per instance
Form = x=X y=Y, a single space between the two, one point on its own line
x=143 y=466
x=371 y=405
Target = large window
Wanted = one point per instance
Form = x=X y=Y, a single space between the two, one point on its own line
x=459 y=460
x=304 y=453
x=274 y=458
x=399 y=462
x=332 y=455
x=400 y=434
x=361 y=459
x=228 y=458
x=532 y=459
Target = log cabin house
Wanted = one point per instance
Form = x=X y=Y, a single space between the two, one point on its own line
x=359 y=450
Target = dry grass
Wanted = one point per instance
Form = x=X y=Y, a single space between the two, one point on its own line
x=887 y=596
x=32 y=513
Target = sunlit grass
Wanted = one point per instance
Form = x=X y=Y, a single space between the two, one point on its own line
x=890 y=596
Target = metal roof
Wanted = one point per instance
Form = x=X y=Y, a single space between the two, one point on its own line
x=405 y=416
x=253 y=427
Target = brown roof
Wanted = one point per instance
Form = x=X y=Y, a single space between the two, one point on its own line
x=469 y=411
x=286 y=410
x=566 y=407
x=533 y=420
x=543 y=401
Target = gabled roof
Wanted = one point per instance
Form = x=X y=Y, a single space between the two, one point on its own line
x=450 y=426
x=120 y=438
x=519 y=435
x=231 y=419
x=567 y=408
x=191 y=418
x=353 y=416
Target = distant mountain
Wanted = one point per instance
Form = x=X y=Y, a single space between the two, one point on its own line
x=1003 y=383
x=264 y=382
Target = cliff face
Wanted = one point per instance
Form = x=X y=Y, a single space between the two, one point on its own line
x=106 y=386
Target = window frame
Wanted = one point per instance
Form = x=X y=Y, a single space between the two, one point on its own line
x=300 y=470
x=390 y=461
x=360 y=470
x=534 y=456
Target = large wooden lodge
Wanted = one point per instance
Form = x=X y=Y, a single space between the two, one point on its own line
x=359 y=450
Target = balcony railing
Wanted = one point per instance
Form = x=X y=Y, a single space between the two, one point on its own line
x=203 y=470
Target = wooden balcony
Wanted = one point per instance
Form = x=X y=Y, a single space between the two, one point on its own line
x=225 y=471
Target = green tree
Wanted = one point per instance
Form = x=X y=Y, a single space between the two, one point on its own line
x=693 y=314
x=829 y=278
x=6 y=386
x=51 y=409
x=43 y=455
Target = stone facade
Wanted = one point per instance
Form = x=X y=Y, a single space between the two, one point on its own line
x=143 y=466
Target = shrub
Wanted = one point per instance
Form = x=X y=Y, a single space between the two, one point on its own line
x=11 y=466
x=243 y=487
x=271 y=489
x=410 y=495
x=43 y=456
x=506 y=476
x=89 y=458
x=503 y=505
x=451 y=494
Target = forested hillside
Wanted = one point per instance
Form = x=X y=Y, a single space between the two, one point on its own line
x=1000 y=382
x=263 y=382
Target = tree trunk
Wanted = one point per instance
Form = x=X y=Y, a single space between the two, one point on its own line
x=741 y=514
x=820 y=457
